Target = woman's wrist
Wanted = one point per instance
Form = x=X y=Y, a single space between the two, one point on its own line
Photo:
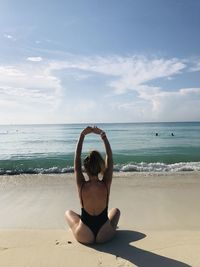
x=103 y=135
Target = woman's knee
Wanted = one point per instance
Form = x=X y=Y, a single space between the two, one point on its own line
x=117 y=211
x=114 y=216
x=70 y=217
x=114 y=212
x=68 y=214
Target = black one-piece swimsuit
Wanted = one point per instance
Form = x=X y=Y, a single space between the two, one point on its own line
x=94 y=222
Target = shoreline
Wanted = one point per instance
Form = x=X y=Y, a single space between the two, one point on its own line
x=137 y=167
x=159 y=224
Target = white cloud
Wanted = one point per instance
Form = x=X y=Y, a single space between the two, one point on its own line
x=35 y=59
x=9 y=36
x=134 y=74
x=158 y=105
x=190 y=91
x=127 y=72
x=183 y=104
x=29 y=85
x=196 y=67
x=41 y=85
x=10 y=71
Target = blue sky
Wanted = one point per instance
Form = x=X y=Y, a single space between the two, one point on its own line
x=99 y=61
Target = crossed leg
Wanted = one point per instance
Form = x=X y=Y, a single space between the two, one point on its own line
x=82 y=232
x=114 y=215
x=108 y=230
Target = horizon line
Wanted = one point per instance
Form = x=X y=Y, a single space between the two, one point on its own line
x=89 y=123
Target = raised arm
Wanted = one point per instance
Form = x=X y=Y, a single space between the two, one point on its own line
x=77 y=158
x=109 y=158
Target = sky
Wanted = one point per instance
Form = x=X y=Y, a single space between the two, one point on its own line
x=92 y=61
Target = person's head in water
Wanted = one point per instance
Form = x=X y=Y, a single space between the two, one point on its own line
x=94 y=163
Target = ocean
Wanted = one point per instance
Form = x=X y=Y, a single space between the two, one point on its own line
x=136 y=147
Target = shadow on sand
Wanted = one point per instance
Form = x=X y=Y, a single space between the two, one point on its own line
x=121 y=248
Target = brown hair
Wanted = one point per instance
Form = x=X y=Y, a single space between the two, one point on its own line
x=94 y=163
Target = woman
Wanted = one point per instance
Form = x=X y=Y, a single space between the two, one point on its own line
x=95 y=223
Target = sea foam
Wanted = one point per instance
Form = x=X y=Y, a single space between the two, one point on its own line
x=158 y=167
x=130 y=167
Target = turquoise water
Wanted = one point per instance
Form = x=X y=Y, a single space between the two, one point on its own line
x=50 y=148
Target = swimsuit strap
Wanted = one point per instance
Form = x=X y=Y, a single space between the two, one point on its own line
x=82 y=190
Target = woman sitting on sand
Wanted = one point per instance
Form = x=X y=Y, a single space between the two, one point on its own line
x=95 y=223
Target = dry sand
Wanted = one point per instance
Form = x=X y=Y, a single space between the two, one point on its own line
x=159 y=225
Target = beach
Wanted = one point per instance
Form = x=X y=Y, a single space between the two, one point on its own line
x=100 y=88
x=159 y=224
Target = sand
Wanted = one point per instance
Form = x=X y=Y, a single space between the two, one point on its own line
x=159 y=225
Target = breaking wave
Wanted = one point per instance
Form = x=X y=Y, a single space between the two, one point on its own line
x=130 y=167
